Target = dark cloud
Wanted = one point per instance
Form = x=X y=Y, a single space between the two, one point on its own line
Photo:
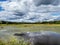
x=46 y=2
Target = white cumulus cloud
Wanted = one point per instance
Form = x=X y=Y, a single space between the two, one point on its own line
x=30 y=10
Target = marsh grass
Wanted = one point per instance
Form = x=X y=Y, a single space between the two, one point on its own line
x=13 y=41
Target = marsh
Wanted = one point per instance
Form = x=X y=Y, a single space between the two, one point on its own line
x=41 y=38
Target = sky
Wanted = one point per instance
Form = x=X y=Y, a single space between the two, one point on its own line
x=29 y=10
x=3 y=0
x=1 y=9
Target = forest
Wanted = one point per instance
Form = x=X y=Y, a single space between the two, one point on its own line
x=44 y=22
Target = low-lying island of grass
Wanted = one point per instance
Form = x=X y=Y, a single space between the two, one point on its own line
x=31 y=27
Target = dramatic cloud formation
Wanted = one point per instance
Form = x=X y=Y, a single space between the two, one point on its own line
x=30 y=10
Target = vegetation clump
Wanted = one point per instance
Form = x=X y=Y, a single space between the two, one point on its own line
x=13 y=41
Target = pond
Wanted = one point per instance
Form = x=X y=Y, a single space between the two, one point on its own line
x=8 y=31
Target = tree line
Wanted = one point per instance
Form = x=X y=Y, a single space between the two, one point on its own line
x=44 y=22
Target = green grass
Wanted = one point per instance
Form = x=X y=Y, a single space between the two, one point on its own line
x=32 y=27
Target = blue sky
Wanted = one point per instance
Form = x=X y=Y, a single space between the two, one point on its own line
x=1 y=9
x=3 y=0
x=11 y=11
